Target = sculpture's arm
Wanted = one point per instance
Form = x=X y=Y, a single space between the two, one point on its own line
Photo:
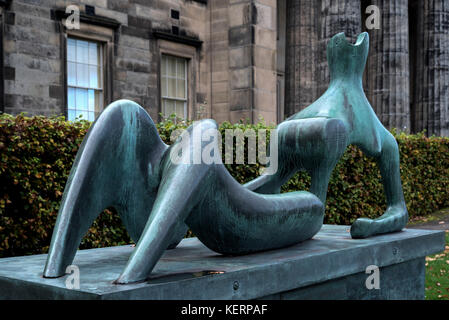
x=312 y=144
x=395 y=217
x=259 y=182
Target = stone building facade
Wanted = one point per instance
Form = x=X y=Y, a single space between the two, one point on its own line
x=46 y=64
x=220 y=59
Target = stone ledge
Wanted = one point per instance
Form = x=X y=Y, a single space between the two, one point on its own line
x=192 y=271
x=184 y=39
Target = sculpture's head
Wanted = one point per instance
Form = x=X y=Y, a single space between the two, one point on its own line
x=347 y=59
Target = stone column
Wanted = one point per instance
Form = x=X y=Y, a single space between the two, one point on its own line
x=431 y=86
x=4 y=5
x=240 y=60
x=252 y=60
x=335 y=16
x=218 y=60
x=301 y=55
x=387 y=71
x=264 y=61
x=2 y=91
x=310 y=26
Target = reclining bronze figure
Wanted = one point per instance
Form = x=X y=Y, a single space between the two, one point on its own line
x=123 y=163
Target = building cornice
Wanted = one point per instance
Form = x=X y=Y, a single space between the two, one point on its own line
x=158 y=34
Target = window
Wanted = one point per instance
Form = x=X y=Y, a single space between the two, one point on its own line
x=174 y=86
x=84 y=79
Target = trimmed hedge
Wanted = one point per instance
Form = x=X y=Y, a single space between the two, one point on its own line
x=37 y=154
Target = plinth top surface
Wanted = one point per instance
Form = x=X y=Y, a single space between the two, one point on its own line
x=192 y=271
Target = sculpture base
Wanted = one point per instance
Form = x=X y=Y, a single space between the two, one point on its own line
x=329 y=266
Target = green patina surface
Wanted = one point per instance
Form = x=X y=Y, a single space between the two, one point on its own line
x=346 y=117
x=123 y=163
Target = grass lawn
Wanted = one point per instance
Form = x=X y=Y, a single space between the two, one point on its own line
x=437 y=274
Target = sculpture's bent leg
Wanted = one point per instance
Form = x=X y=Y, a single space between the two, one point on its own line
x=116 y=165
x=181 y=188
x=396 y=216
x=234 y=220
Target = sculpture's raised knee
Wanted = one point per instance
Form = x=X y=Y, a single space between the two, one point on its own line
x=312 y=141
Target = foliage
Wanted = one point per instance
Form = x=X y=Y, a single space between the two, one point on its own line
x=37 y=154
x=437 y=274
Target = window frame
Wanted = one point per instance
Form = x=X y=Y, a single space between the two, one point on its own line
x=188 y=52
x=186 y=84
x=102 y=74
x=105 y=38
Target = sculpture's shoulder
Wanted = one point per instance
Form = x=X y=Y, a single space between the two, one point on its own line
x=329 y=105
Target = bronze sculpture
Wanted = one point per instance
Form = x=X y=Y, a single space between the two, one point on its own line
x=123 y=163
x=345 y=101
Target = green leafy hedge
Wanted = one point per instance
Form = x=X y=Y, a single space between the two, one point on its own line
x=37 y=154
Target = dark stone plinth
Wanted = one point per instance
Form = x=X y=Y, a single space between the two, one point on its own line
x=330 y=266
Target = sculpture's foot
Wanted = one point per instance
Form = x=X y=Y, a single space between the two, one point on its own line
x=394 y=219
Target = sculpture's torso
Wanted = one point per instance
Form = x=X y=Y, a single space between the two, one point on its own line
x=345 y=98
